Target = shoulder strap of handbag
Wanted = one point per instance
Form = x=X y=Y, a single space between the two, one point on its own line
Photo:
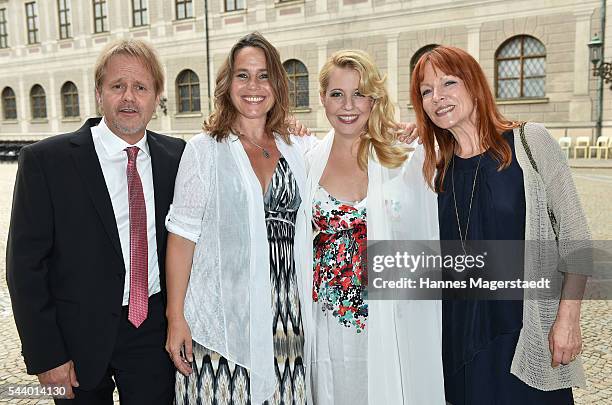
x=551 y=214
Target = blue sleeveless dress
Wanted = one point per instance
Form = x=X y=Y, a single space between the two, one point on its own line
x=479 y=337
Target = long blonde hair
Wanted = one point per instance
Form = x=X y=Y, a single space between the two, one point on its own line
x=380 y=134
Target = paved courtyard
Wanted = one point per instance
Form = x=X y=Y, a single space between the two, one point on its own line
x=594 y=186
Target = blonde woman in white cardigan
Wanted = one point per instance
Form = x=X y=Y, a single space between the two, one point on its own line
x=362 y=186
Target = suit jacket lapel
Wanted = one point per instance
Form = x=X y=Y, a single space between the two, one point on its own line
x=88 y=166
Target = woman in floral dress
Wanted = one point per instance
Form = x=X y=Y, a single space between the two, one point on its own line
x=377 y=352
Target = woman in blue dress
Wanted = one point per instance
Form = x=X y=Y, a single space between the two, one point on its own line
x=495 y=184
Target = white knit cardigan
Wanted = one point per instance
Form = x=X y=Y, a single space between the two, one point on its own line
x=552 y=186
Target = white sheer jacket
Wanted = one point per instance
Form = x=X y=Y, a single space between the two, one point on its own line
x=218 y=204
x=404 y=337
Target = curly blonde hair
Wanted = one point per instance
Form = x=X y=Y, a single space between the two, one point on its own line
x=379 y=134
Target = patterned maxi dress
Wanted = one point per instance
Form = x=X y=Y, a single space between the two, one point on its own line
x=214 y=379
x=339 y=293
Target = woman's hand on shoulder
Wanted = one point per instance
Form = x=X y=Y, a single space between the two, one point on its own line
x=179 y=344
x=406 y=132
x=297 y=128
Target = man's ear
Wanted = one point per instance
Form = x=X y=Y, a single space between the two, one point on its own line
x=98 y=97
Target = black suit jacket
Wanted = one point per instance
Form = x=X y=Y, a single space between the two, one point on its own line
x=65 y=269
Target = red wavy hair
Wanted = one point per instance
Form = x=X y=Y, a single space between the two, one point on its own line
x=489 y=121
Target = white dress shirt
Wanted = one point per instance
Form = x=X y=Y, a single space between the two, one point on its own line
x=113 y=160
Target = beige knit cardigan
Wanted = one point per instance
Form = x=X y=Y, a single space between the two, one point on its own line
x=553 y=186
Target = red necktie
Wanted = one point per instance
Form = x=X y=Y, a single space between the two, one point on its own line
x=139 y=281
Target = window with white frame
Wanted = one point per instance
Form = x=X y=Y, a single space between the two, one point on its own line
x=32 y=22
x=65 y=21
x=184 y=9
x=234 y=5
x=70 y=100
x=38 y=102
x=139 y=13
x=9 y=104
x=100 y=16
x=520 y=68
x=3 y=29
x=188 y=91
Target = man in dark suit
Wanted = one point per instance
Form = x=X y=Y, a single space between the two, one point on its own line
x=87 y=242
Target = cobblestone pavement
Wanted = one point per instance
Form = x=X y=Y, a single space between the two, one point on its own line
x=594 y=187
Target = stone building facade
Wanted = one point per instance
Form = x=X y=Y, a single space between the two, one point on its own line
x=535 y=54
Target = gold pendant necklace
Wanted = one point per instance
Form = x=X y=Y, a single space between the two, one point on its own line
x=463 y=236
x=265 y=152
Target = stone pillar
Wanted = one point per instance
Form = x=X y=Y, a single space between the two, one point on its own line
x=52 y=100
x=45 y=30
x=581 y=103
x=23 y=98
x=162 y=21
x=85 y=94
x=211 y=84
x=260 y=11
x=321 y=59
x=393 y=71
x=473 y=40
x=118 y=19
x=17 y=27
x=321 y=6
x=85 y=21
x=166 y=122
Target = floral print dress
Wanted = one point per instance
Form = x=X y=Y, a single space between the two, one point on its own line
x=339 y=370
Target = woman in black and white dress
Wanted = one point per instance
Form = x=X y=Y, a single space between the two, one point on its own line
x=237 y=225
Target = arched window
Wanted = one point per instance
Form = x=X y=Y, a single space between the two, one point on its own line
x=520 y=70
x=38 y=102
x=417 y=55
x=188 y=90
x=298 y=83
x=9 y=104
x=70 y=100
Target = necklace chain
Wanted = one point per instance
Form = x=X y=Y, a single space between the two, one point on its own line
x=463 y=236
x=266 y=153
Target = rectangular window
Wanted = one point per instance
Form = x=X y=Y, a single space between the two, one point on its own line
x=100 y=16
x=63 y=13
x=184 y=9
x=3 y=30
x=39 y=107
x=139 y=13
x=32 y=22
x=9 y=104
x=233 y=5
